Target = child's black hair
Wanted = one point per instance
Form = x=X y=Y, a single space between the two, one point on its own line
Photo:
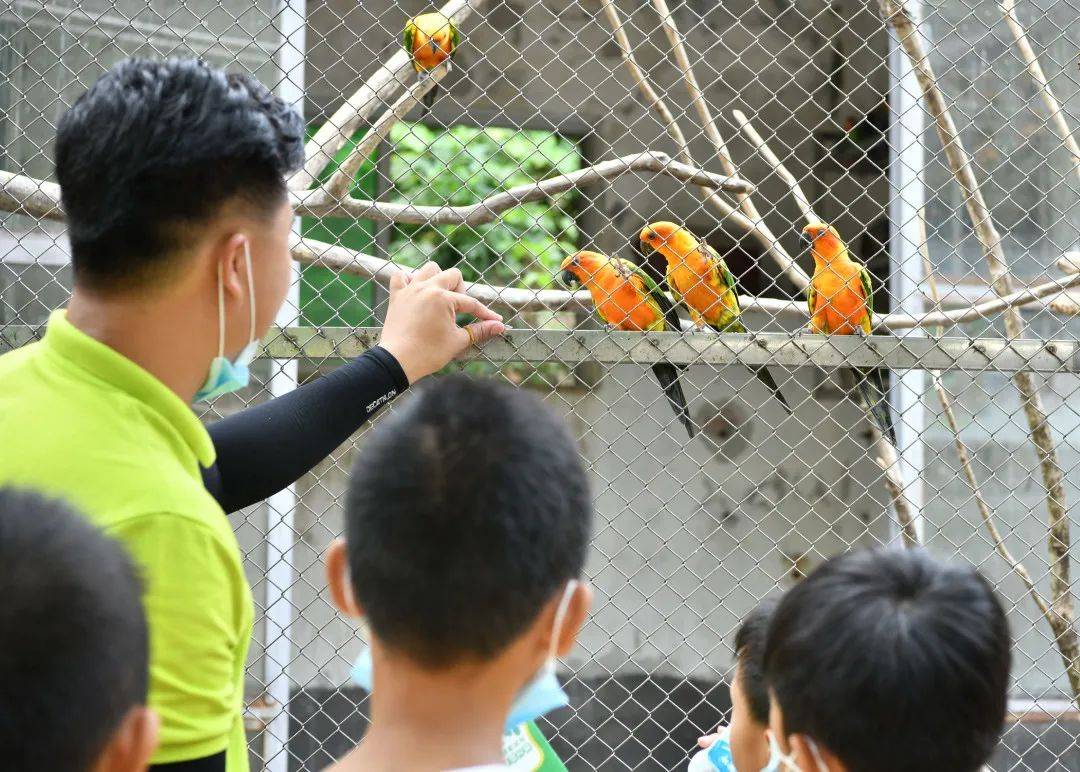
x=467 y=510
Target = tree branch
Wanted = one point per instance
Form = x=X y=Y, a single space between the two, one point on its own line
x=766 y=152
x=337 y=187
x=962 y=453
x=896 y=14
x=39 y=199
x=729 y=214
x=318 y=204
x=348 y=118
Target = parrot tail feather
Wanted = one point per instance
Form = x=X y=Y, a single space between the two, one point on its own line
x=668 y=377
x=872 y=393
x=429 y=100
x=762 y=373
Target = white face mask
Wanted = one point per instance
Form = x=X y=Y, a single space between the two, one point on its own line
x=789 y=763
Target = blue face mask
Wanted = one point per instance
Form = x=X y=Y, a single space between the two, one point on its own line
x=226 y=376
x=717 y=757
x=540 y=696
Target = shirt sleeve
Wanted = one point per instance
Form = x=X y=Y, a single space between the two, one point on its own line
x=265 y=448
x=195 y=597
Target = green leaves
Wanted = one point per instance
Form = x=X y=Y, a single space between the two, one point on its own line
x=461 y=165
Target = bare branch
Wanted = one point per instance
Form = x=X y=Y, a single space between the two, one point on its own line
x=766 y=152
x=337 y=186
x=889 y=461
x=896 y=14
x=757 y=229
x=962 y=453
x=983 y=310
x=40 y=199
x=378 y=88
x=317 y=204
x=1053 y=108
x=26 y=195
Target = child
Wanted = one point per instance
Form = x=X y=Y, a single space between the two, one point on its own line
x=743 y=744
x=888 y=661
x=73 y=645
x=467 y=526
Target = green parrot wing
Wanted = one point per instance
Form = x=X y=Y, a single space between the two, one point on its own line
x=455 y=38
x=720 y=275
x=811 y=298
x=657 y=296
x=408 y=37
x=868 y=291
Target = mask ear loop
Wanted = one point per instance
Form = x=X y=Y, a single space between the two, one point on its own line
x=220 y=313
x=251 y=296
x=560 y=617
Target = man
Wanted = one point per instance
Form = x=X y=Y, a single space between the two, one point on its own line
x=172 y=180
x=888 y=661
x=73 y=645
x=467 y=526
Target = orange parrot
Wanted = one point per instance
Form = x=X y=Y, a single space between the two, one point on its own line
x=700 y=278
x=627 y=299
x=430 y=39
x=841 y=302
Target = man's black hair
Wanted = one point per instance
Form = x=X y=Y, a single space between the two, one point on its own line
x=893 y=661
x=154 y=148
x=750 y=653
x=466 y=512
x=73 y=643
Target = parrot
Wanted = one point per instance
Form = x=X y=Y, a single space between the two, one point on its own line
x=627 y=299
x=841 y=302
x=700 y=278
x=430 y=39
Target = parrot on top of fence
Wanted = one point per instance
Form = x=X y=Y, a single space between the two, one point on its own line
x=841 y=302
x=430 y=39
x=627 y=299
x=700 y=278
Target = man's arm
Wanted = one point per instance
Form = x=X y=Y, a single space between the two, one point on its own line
x=265 y=448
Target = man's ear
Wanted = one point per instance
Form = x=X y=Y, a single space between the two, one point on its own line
x=339 y=581
x=577 y=611
x=132 y=744
x=229 y=254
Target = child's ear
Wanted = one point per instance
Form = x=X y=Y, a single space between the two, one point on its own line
x=577 y=611
x=339 y=581
x=132 y=744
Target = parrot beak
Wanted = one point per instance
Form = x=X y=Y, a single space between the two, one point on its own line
x=569 y=279
x=807 y=237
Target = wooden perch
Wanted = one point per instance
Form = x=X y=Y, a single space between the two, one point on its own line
x=36 y=198
x=962 y=453
x=318 y=204
x=760 y=230
x=378 y=88
x=1062 y=621
x=729 y=214
x=337 y=187
x=766 y=152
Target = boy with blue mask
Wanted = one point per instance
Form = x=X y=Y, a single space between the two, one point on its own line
x=467 y=526
x=888 y=661
x=743 y=745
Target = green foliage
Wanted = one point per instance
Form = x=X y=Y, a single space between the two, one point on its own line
x=329 y=298
x=462 y=165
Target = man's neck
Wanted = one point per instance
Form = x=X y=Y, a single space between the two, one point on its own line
x=433 y=721
x=158 y=334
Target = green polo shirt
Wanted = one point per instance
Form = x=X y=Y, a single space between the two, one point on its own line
x=83 y=423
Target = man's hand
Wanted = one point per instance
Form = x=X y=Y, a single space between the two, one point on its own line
x=421 y=328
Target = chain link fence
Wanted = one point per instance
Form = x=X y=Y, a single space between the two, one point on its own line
x=842 y=111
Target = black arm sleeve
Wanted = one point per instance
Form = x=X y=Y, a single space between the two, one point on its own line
x=267 y=447
x=215 y=763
